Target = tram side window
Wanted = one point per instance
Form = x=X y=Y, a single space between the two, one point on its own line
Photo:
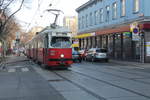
x=61 y=42
x=46 y=42
x=40 y=44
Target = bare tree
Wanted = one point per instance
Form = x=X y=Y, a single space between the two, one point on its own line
x=6 y=19
x=11 y=29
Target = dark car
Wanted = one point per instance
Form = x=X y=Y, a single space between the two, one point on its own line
x=76 y=56
x=97 y=54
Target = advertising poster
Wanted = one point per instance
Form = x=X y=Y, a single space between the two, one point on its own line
x=147 y=48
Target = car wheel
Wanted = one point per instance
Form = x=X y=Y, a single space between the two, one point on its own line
x=85 y=59
x=93 y=59
x=80 y=60
x=106 y=60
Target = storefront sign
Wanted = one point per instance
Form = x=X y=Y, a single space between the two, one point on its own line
x=147 y=48
x=135 y=31
x=135 y=37
x=85 y=35
x=75 y=43
x=133 y=25
x=127 y=34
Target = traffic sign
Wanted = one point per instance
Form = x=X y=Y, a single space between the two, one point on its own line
x=133 y=25
x=135 y=34
x=135 y=30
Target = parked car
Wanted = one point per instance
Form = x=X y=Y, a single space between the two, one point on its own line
x=76 y=56
x=94 y=54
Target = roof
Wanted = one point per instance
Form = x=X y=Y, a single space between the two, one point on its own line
x=85 y=5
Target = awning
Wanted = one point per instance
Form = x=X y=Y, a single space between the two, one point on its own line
x=85 y=35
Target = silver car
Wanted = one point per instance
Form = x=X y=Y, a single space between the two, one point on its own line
x=94 y=54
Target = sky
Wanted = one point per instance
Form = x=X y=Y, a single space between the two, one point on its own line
x=34 y=13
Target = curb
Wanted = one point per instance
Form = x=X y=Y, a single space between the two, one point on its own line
x=126 y=63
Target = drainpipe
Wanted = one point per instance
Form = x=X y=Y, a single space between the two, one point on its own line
x=142 y=48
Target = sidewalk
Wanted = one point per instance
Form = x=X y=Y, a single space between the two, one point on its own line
x=20 y=82
x=128 y=63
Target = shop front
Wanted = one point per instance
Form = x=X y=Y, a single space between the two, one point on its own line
x=126 y=44
x=120 y=42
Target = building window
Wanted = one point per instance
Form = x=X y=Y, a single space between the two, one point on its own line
x=123 y=7
x=107 y=13
x=101 y=15
x=114 y=10
x=79 y=23
x=136 y=6
x=86 y=20
x=91 y=19
x=83 y=22
x=96 y=16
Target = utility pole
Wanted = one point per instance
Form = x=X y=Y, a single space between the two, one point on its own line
x=142 y=48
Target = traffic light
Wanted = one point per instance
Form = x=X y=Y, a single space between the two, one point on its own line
x=17 y=40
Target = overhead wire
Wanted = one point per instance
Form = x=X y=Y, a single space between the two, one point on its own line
x=54 y=3
x=37 y=10
x=47 y=14
x=39 y=4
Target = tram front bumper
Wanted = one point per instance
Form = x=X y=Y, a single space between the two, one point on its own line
x=61 y=61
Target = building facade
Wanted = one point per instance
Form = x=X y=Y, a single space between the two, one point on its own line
x=121 y=26
x=71 y=23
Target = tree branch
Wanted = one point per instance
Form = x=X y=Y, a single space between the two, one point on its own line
x=8 y=4
x=13 y=14
x=1 y=3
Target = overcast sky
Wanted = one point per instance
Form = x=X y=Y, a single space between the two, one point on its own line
x=34 y=11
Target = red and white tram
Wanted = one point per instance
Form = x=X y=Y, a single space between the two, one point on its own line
x=51 y=46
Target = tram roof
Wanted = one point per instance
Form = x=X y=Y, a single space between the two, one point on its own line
x=48 y=29
x=60 y=29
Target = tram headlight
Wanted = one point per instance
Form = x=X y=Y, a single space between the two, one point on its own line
x=62 y=55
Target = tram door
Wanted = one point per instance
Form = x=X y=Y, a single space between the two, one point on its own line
x=36 y=50
x=45 y=48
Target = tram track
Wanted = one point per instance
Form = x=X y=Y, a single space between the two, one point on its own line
x=93 y=93
x=103 y=81
x=107 y=73
x=72 y=82
x=120 y=70
x=109 y=83
x=81 y=87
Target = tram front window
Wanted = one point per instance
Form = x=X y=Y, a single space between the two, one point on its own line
x=61 y=42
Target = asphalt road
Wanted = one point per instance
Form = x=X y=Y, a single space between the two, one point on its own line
x=100 y=81
x=83 y=81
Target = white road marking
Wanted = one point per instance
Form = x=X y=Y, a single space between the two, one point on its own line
x=11 y=70
x=140 y=68
x=24 y=69
x=18 y=66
